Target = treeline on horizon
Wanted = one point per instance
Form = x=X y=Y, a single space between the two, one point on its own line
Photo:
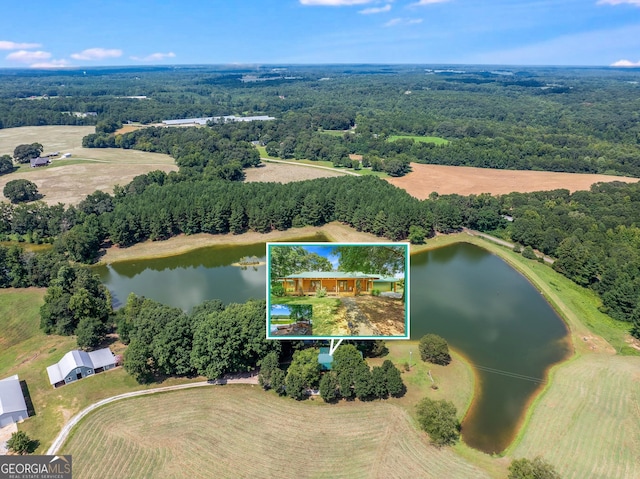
x=593 y=234
x=575 y=120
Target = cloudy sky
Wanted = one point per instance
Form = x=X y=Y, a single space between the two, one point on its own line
x=44 y=33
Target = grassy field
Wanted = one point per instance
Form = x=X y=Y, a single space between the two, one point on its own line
x=240 y=431
x=26 y=351
x=70 y=180
x=421 y=139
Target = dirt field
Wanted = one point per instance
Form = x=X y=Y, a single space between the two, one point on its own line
x=387 y=315
x=463 y=180
x=241 y=431
x=282 y=173
x=92 y=168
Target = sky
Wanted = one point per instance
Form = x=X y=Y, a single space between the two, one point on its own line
x=81 y=33
x=325 y=251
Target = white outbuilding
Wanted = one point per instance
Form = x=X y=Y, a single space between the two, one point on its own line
x=12 y=406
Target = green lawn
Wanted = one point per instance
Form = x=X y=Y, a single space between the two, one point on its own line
x=422 y=139
x=339 y=133
x=25 y=350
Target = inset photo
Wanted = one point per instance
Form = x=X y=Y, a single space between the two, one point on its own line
x=290 y=319
x=338 y=290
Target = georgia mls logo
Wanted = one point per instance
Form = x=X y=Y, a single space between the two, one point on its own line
x=35 y=467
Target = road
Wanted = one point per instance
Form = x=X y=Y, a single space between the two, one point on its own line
x=502 y=242
x=64 y=433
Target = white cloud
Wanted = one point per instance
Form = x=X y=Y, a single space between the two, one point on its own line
x=395 y=22
x=51 y=64
x=372 y=10
x=25 y=56
x=154 y=57
x=619 y=2
x=335 y=3
x=626 y=63
x=6 y=45
x=422 y=3
x=97 y=54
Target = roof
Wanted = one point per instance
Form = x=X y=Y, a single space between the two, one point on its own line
x=204 y=120
x=75 y=359
x=11 y=398
x=39 y=161
x=332 y=275
x=386 y=279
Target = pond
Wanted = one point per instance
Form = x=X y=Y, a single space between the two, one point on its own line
x=499 y=321
x=479 y=304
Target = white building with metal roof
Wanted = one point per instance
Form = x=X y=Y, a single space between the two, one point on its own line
x=79 y=364
x=12 y=405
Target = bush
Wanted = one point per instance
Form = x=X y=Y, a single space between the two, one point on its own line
x=517 y=248
x=20 y=443
x=536 y=469
x=529 y=253
x=434 y=349
x=375 y=292
x=277 y=290
x=321 y=292
x=439 y=420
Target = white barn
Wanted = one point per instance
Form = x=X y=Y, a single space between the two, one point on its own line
x=12 y=406
x=79 y=364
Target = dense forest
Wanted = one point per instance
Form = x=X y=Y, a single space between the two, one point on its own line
x=576 y=120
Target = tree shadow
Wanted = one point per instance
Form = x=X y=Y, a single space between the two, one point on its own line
x=31 y=411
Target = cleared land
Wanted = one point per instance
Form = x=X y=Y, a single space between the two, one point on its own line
x=286 y=173
x=88 y=169
x=420 y=139
x=240 y=431
x=464 y=180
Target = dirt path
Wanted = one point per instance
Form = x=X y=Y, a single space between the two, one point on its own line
x=358 y=322
x=501 y=242
x=247 y=378
x=312 y=166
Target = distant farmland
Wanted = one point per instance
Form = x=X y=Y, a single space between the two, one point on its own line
x=420 y=139
x=465 y=180
x=87 y=170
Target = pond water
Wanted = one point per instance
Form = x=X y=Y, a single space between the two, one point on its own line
x=479 y=304
x=499 y=321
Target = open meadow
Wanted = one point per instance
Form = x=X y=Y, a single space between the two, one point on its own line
x=464 y=180
x=241 y=431
x=70 y=180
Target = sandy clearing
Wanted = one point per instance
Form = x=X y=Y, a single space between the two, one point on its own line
x=286 y=173
x=464 y=180
x=335 y=232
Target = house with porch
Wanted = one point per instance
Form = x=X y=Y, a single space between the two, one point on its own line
x=79 y=364
x=336 y=283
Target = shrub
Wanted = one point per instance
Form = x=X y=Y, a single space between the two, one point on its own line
x=536 y=469
x=277 y=290
x=439 y=420
x=529 y=253
x=434 y=349
x=517 y=248
x=20 y=443
x=375 y=292
x=321 y=293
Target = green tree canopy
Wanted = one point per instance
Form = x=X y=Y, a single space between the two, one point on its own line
x=286 y=260
x=372 y=259
x=434 y=349
x=24 y=153
x=20 y=190
x=438 y=419
x=536 y=469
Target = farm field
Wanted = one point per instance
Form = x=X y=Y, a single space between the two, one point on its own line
x=465 y=180
x=89 y=169
x=420 y=139
x=286 y=173
x=240 y=431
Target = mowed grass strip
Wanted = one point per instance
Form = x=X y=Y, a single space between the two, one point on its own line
x=587 y=424
x=21 y=316
x=241 y=431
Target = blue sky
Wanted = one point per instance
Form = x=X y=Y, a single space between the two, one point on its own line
x=42 y=33
x=324 y=251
